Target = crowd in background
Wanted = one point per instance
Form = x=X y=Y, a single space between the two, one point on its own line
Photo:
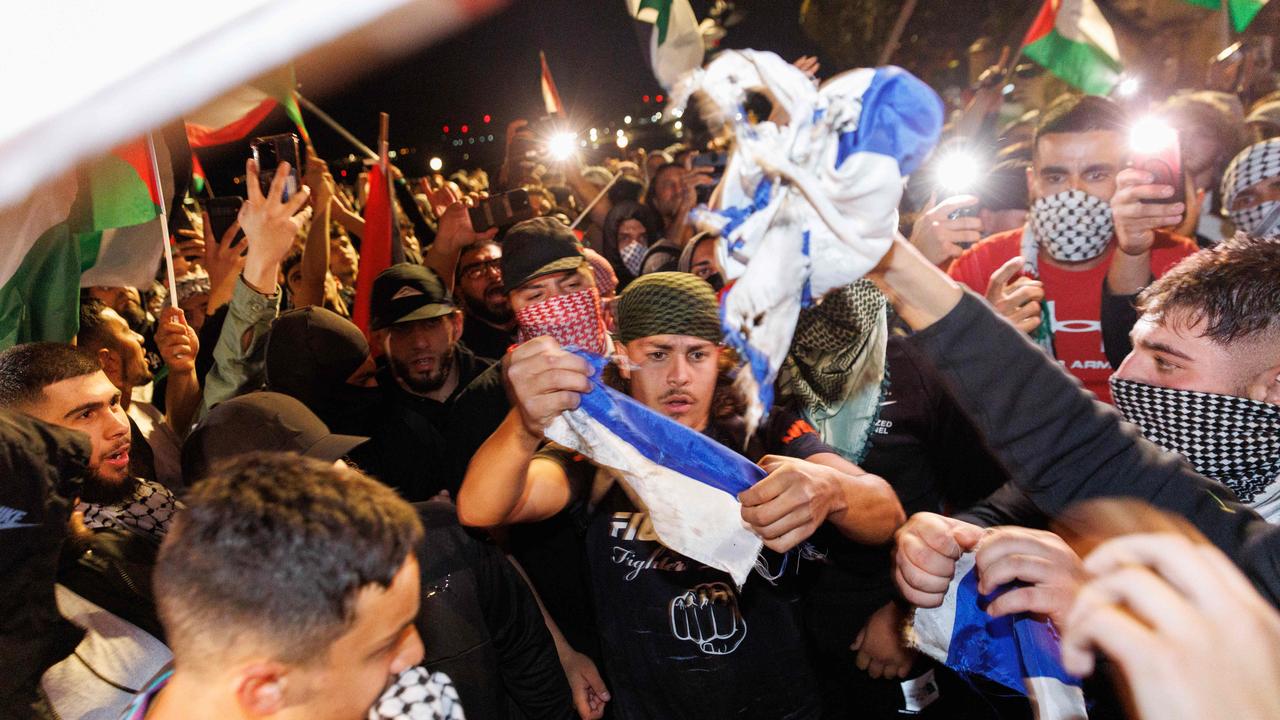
x=273 y=512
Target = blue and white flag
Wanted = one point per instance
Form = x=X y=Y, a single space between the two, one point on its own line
x=809 y=198
x=1020 y=652
x=688 y=482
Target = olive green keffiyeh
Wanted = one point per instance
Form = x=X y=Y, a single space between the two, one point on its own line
x=835 y=371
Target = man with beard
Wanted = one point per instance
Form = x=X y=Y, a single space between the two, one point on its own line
x=1088 y=226
x=417 y=327
x=490 y=326
x=157 y=436
x=124 y=300
x=65 y=385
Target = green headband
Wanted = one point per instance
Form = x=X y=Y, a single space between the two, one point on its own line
x=669 y=303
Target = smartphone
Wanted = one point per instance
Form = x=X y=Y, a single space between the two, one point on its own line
x=272 y=150
x=716 y=161
x=222 y=212
x=1155 y=149
x=501 y=210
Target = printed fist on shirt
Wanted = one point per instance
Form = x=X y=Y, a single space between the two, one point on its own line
x=708 y=616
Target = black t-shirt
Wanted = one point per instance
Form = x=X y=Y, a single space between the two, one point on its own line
x=680 y=641
x=485 y=340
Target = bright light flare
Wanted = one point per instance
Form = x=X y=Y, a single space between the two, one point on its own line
x=562 y=145
x=435 y=164
x=1151 y=135
x=958 y=172
x=1128 y=86
x=623 y=141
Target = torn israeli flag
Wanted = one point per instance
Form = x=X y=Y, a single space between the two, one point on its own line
x=688 y=482
x=1020 y=652
x=809 y=197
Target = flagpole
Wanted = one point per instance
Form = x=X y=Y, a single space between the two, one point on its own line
x=346 y=135
x=895 y=35
x=595 y=200
x=164 y=221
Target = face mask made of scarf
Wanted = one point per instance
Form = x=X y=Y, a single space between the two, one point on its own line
x=1250 y=219
x=1233 y=440
x=1072 y=226
x=633 y=256
x=574 y=320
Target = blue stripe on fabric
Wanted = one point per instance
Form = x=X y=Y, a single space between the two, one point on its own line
x=901 y=117
x=760 y=370
x=739 y=215
x=665 y=441
x=1005 y=649
x=806 y=292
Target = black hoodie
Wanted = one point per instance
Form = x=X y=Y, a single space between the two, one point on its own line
x=42 y=468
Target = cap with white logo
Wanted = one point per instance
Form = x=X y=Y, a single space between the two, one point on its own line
x=407 y=292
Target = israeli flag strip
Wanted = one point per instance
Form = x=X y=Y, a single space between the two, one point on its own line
x=809 y=197
x=1020 y=652
x=687 y=482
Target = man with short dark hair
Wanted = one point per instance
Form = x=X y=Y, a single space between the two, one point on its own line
x=1088 y=228
x=1203 y=378
x=489 y=327
x=65 y=385
x=156 y=436
x=288 y=587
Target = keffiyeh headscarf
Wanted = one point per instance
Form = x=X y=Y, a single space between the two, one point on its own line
x=835 y=372
x=193 y=283
x=1233 y=440
x=574 y=320
x=1251 y=166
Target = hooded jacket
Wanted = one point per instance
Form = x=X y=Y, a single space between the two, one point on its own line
x=43 y=469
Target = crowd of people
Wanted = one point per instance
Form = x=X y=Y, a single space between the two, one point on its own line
x=245 y=506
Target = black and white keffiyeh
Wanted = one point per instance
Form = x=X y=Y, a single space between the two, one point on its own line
x=1249 y=167
x=148 y=511
x=1071 y=226
x=1233 y=440
x=419 y=694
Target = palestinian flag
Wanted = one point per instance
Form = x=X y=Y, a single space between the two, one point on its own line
x=1071 y=39
x=1242 y=12
x=39 y=267
x=100 y=226
x=550 y=96
x=234 y=115
x=674 y=44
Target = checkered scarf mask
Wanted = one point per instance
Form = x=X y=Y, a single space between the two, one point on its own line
x=574 y=320
x=633 y=256
x=1072 y=226
x=1251 y=166
x=1233 y=440
x=418 y=694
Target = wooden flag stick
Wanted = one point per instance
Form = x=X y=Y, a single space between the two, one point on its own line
x=164 y=220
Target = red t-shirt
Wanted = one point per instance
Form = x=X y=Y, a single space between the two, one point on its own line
x=1074 y=298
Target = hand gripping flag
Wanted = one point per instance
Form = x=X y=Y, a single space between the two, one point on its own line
x=1020 y=652
x=688 y=482
x=808 y=205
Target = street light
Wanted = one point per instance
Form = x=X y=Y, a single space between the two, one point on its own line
x=435 y=164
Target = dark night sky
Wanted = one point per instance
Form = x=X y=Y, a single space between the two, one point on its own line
x=492 y=67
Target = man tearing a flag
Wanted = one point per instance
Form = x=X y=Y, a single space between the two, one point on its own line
x=683 y=640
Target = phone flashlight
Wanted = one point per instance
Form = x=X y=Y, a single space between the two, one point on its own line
x=1155 y=149
x=561 y=145
x=958 y=172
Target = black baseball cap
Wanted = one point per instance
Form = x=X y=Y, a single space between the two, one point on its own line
x=407 y=292
x=538 y=247
x=260 y=421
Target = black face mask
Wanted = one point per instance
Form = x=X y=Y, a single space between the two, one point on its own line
x=346 y=409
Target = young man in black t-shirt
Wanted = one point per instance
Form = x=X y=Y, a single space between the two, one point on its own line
x=680 y=640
